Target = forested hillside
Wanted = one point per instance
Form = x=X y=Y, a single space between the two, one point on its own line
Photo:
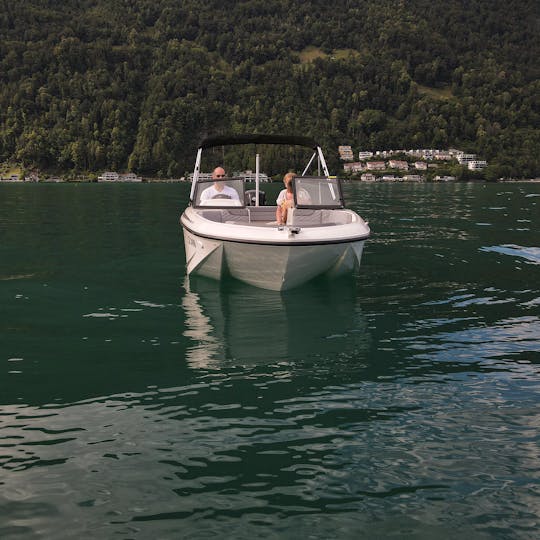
x=134 y=84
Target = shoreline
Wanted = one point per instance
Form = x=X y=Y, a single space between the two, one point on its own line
x=59 y=180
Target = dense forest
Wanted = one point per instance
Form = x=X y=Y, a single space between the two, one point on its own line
x=87 y=85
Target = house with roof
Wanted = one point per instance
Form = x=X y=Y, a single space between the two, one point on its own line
x=464 y=159
x=345 y=153
x=129 y=177
x=477 y=164
x=398 y=164
x=375 y=165
x=353 y=167
x=11 y=178
x=108 y=176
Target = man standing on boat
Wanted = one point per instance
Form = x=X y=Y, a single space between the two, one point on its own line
x=219 y=190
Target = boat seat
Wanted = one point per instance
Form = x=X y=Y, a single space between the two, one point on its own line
x=305 y=217
x=213 y=215
x=337 y=217
x=235 y=215
x=262 y=213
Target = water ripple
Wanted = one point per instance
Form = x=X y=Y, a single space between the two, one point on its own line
x=532 y=254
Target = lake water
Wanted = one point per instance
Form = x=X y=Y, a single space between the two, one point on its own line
x=401 y=403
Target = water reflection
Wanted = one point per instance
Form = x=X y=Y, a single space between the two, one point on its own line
x=236 y=323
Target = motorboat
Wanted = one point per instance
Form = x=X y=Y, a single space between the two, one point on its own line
x=233 y=234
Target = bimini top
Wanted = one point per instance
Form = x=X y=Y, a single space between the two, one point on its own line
x=225 y=140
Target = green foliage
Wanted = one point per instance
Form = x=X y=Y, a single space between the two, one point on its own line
x=95 y=84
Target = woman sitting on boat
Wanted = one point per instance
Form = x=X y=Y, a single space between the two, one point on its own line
x=285 y=198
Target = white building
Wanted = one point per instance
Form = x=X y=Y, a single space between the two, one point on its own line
x=129 y=177
x=202 y=176
x=362 y=156
x=353 y=167
x=398 y=164
x=108 y=176
x=464 y=159
x=345 y=153
x=375 y=165
x=413 y=178
x=11 y=178
x=477 y=165
x=368 y=177
x=249 y=176
x=442 y=155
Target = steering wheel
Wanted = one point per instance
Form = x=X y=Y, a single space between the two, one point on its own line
x=221 y=196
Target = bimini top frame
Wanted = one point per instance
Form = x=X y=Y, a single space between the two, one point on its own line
x=228 y=140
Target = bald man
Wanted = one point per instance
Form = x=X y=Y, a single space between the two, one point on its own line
x=219 y=189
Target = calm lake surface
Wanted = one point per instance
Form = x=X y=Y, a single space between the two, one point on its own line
x=401 y=403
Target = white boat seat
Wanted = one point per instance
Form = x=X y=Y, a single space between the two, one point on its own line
x=305 y=217
x=213 y=215
x=337 y=217
x=235 y=215
x=262 y=213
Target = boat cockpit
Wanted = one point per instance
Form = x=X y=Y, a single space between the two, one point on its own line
x=318 y=201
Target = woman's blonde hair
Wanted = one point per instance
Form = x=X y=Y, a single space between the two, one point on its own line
x=288 y=177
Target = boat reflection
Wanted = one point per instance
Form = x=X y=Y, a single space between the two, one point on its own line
x=236 y=323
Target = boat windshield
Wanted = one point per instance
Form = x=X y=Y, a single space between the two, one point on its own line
x=222 y=193
x=317 y=192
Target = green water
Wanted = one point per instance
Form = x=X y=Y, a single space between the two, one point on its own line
x=401 y=403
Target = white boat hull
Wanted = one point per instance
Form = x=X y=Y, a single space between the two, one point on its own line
x=279 y=265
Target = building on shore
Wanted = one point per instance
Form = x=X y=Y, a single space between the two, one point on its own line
x=368 y=177
x=477 y=165
x=375 y=165
x=108 y=176
x=353 y=167
x=465 y=159
x=398 y=164
x=345 y=153
x=129 y=177
x=247 y=176
x=11 y=178
x=112 y=176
